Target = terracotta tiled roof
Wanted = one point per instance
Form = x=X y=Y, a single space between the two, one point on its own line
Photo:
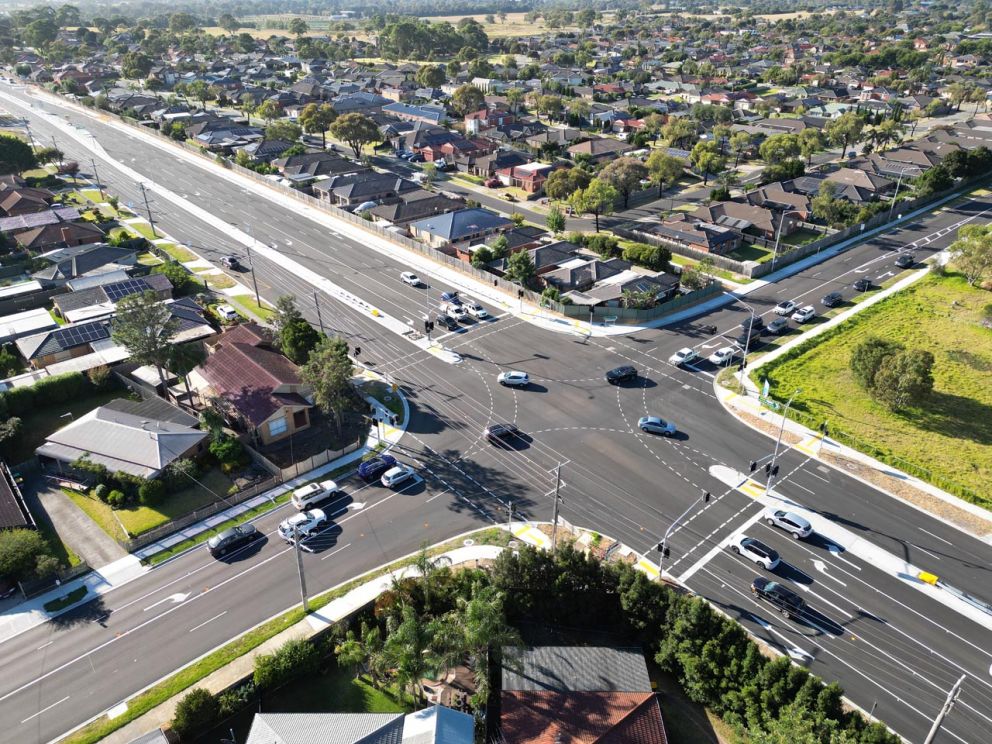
x=545 y=717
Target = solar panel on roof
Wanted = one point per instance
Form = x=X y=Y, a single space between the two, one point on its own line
x=70 y=336
x=119 y=290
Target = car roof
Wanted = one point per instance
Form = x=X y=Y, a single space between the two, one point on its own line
x=757 y=543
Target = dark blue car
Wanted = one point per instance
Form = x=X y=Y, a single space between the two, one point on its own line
x=372 y=470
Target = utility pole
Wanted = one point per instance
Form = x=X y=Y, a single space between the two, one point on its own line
x=96 y=176
x=299 y=565
x=55 y=147
x=554 y=516
x=148 y=209
x=27 y=128
x=952 y=696
x=320 y=321
x=772 y=467
x=778 y=238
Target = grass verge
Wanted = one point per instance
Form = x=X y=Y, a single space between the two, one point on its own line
x=149 y=259
x=947 y=439
x=60 y=603
x=177 y=252
x=186 y=678
x=144 y=229
x=247 y=304
x=382 y=393
x=99 y=512
x=220 y=281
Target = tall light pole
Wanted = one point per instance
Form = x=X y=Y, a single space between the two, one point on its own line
x=251 y=264
x=952 y=697
x=898 y=184
x=96 y=175
x=747 y=342
x=299 y=565
x=772 y=467
x=320 y=320
x=148 y=209
x=554 y=513
x=662 y=547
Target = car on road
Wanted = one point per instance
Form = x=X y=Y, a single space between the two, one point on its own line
x=313 y=493
x=621 y=374
x=372 y=469
x=226 y=312
x=451 y=298
x=683 y=356
x=791 y=522
x=232 y=538
x=450 y=323
x=455 y=312
x=723 y=356
x=230 y=262
x=786 y=307
x=756 y=322
x=755 y=550
x=408 y=277
x=396 y=475
x=832 y=299
x=749 y=338
x=500 y=433
x=513 y=378
x=656 y=425
x=476 y=310
x=778 y=325
x=306 y=523
x=905 y=260
x=784 y=599
x=862 y=285
x=804 y=314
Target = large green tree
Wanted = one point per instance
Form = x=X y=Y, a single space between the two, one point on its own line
x=598 y=198
x=845 y=130
x=357 y=130
x=466 y=99
x=317 y=119
x=431 y=76
x=625 y=175
x=295 y=336
x=520 y=267
x=971 y=253
x=16 y=155
x=145 y=327
x=22 y=552
x=779 y=147
x=664 y=169
x=564 y=182
x=904 y=379
x=706 y=158
x=328 y=372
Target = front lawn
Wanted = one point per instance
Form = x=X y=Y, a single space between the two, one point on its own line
x=247 y=304
x=140 y=519
x=948 y=439
x=219 y=281
x=801 y=237
x=751 y=252
x=99 y=512
x=177 y=252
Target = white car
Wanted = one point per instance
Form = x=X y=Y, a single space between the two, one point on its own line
x=394 y=476
x=455 y=312
x=476 y=310
x=313 y=493
x=683 y=356
x=513 y=379
x=804 y=313
x=408 y=277
x=723 y=356
x=306 y=523
x=798 y=527
x=755 y=550
x=785 y=307
x=226 y=312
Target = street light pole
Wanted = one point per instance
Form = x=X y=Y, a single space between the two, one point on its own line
x=320 y=321
x=554 y=516
x=778 y=238
x=96 y=175
x=299 y=565
x=148 y=209
x=952 y=697
x=778 y=442
x=663 y=545
x=747 y=342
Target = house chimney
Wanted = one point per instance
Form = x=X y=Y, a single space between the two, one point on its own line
x=64 y=231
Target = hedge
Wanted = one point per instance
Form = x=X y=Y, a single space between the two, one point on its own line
x=45 y=392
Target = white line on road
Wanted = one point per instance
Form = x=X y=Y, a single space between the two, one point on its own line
x=197 y=627
x=436 y=495
x=44 y=709
x=334 y=552
x=935 y=556
x=936 y=537
x=44 y=646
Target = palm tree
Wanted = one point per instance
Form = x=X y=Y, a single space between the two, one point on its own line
x=485 y=629
x=408 y=651
x=427 y=566
x=183 y=360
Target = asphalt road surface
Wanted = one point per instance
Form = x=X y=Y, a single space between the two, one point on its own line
x=892 y=647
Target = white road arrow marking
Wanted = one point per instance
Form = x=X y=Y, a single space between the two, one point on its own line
x=822 y=568
x=797 y=654
x=174 y=598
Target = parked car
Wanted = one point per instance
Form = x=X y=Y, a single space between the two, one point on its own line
x=791 y=522
x=786 y=307
x=396 y=475
x=408 y=277
x=723 y=356
x=500 y=433
x=778 y=325
x=683 y=356
x=492 y=183
x=755 y=550
x=621 y=374
x=905 y=260
x=226 y=312
x=862 y=285
x=230 y=262
x=656 y=425
x=781 y=597
x=804 y=314
x=372 y=469
x=832 y=299
x=313 y=493
x=476 y=310
x=232 y=538
x=513 y=379
x=306 y=523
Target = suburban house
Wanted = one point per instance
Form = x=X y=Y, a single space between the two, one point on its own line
x=26 y=323
x=466 y=226
x=600 y=149
x=87 y=260
x=17 y=199
x=749 y=218
x=14 y=512
x=689 y=232
x=358 y=188
x=58 y=234
x=415 y=205
x=580 y=695
x=260 y=387
x=427 y=113
x=435 y=725
x=530 y=177
x=100 y=300
x=138 y=438
x=868 y=183
x=312 y=165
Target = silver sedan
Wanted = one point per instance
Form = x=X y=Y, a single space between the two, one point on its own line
x=656 y=425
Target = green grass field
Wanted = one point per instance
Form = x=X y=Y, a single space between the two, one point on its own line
x=751 y=252
x=247 y=304
x=177 y=252
x=950 y=435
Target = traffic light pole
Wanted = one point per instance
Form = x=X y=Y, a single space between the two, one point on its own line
x=554 y=516
x=662 y=547
x=772 y=469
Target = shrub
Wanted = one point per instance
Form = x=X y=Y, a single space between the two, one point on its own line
x=151 y=492
x=20 y=551
x=100 y=377
x=19 y=400
x=101 y=491
x=10 y=430
x=294 y=658
x=179 y=474
x=576 y=238
x=195 y=713
x=651 y=256
x=116 y=499
x=235 y=700
x=604 y=245
x=61 y=388
x=226 y=449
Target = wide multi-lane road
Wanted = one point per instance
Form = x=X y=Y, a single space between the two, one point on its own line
x=889 y=644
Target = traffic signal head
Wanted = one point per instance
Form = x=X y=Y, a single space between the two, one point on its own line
x=754 y=466
x=775 y=470
x=768 y=468
x=358 y=351
x=667 y=552
x=520 y=294
x=706 y=497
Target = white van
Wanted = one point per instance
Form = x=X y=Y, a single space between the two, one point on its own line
x=313 y=493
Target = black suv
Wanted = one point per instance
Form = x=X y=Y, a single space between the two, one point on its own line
x=746 y=339
x=905 y=260
x=232 y=539
x=621 y=374
x=833 y=299
x=230 y=262
x=500 y=433
x=756 y=322
x=862 y=285
x=785 y=600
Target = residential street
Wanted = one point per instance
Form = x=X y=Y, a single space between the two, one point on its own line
x=893 y=648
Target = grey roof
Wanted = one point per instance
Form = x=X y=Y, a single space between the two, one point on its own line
x=153 y=408
x=63 y=338
x=112 y=291
x=326 y=728
x=77 y=260
x=577 y=669
x=464 y=222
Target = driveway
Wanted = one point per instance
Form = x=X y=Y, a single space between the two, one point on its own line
x=75 y=528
